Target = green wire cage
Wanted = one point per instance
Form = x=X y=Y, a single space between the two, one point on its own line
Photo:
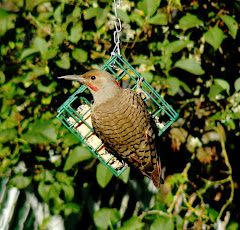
x=75 y=112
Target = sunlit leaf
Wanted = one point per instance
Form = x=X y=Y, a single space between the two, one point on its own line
x=80 y=55
x=46 y=100
x=237 y=84
x=41 y=45
x=68 y=191
x=148 y=76
x=123 y=15
x=90 y=13
x=215 y=90
x=163 y=223
x=2 y=77
x=77 y=155
x=231 y=23
x=106 y=217
x=59 y=37
x=104 y=175
x=233 y=226
x=132 y=224
x=125 y=175
x=189 y=21
x=173 y=85
x=7 y=135
x=101 y=17
x=69 y=139
x=149 y=7
x=63 y=63
x=185 y=86
x=6 y=21
x=190 y=66
x=214 y=36
x=27 y=52
x=20 y=181
x=176 y=46
x=76 y=33
x=41 y=132
x=136 y=17
x=224 y=84
x=58 y=14
x=159 y=19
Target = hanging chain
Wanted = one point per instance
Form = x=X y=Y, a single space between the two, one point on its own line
x=118 y=29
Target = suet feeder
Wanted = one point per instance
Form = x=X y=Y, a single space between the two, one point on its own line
x=75 y=112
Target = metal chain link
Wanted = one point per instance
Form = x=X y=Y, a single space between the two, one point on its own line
x=118 y=29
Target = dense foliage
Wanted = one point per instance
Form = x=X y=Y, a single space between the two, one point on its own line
x=188 y=51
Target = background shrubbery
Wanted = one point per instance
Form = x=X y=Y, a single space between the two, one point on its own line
x=188 y=51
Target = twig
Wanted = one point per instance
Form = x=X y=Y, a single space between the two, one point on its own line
x=159 y=212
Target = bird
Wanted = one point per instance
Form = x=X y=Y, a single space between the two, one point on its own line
x=121 y=120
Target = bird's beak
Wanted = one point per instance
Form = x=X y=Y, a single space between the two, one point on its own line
x=74 y=78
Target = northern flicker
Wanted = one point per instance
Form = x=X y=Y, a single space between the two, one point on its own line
x=120 y=119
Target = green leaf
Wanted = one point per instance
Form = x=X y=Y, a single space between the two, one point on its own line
x=6 y=21
x=77 y=155
x=237 y=84
x=159 y=19
x=7 y=135
x=52 y=53
x=104 y=175
x=132 y=224
x=46 y=100
x=64 y=62
x=190 y=66
x=173 y=84
x=224 y=84
x=48 y=191
x=2 y=77
x=231 y=23
x=179 y=222
x=76 y=33
x=76 y=12
x=233 y=226
x=20 y=181
x=214 y=36
x=136 y=17
x=125 y=175
x=101 y=17
x=58 y=14
x=148 y=76
x=41 y=132
x=185 y=86
x=68 y=191
x=212 y=214
x=214 y=91
x=149 y=7
x=106 y=217
x=176 y=46
x=90 y=13
x=40 y=45
x=69 y=139
x=59 y=37
x=123 y=15
x=80 y=55
x=189 y=21
x=163 y=223
x=47 y=89
x=28 y=52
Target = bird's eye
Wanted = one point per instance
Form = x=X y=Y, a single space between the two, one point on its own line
x=93 y=77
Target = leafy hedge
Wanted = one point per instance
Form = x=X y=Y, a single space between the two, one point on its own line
x=188 y=51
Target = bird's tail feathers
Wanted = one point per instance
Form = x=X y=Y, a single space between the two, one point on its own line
x=156 y=175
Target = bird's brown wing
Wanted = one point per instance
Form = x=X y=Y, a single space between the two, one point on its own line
x=123 y=124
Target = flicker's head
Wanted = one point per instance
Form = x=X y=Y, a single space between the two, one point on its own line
x=100 y=83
